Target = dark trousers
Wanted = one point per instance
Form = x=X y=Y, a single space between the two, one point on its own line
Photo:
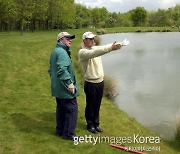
x=66 y=116
x=94 y=93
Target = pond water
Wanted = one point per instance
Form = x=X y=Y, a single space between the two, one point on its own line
x=147 y=73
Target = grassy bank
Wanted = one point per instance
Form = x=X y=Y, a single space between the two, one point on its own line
x=27 y=110
x=143 y=29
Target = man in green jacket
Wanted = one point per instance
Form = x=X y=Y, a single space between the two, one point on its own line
x=64 y=86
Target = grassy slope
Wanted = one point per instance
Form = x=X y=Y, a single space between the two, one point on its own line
x=143 y=29
x=27 y=109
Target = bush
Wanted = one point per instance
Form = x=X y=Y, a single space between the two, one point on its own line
x=101 y=31
x=109 y=88
x=97 y=40
x=177 y=134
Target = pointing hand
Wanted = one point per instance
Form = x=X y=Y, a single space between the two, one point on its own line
x=116 y=46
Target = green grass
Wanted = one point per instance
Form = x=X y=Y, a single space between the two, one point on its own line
x=27 y=110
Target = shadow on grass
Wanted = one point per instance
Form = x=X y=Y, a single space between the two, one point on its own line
x=37 y=123
x=175 y=144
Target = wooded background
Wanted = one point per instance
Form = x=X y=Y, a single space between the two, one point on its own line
x=59 y=14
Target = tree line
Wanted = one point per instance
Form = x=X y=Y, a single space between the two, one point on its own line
x=59 y=14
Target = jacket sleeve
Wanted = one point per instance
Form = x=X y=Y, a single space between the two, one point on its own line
x=63 y=74
x=96 y=51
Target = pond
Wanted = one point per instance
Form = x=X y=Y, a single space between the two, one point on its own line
x=147 y=74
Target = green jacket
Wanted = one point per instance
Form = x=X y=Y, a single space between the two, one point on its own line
x=61 y=72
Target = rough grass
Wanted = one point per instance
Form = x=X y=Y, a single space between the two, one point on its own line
x=110 y=88
x=27 y=110
x=177 y=134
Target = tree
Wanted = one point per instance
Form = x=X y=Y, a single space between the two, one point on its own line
x=83 y=16
x=111 y=21
x=124 y=20
x=24 y=11
x=103 y=16
x=99 y=16
x=161 y=18
x=7 y=14
x=69 y=12
x=38 y=13
x=152 y=19
x=61 y=13
x=95 y=17
x=139 y=16
x=176 y=15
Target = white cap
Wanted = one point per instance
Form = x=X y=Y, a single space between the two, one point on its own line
x=65 y=34
x=88 y=35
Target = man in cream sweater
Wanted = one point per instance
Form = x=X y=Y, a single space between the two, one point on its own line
x=90 y=58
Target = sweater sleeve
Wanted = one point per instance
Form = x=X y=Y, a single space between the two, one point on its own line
x=95 y=51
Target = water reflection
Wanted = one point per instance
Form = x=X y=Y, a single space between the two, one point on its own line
x=148 y=75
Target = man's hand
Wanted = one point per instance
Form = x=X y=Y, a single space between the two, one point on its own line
x=116 y=46
x=71 y=88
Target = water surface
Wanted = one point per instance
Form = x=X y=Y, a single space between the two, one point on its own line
x=147 y=73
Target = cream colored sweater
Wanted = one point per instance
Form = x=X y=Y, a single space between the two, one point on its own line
x=92 y=63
